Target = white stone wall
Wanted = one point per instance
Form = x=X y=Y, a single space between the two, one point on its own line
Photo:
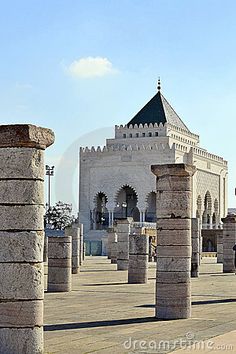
x=127 y=161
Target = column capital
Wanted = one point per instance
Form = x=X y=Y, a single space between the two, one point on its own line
x=181 y=170
x=229 y=219
x=25 y=135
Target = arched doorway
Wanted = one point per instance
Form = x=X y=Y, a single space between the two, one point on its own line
x=151 y=207
x=126 y=204
x=207 y=214
x=100 y=212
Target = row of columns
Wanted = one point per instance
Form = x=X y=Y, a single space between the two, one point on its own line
x=22 y=238
x=64 y=257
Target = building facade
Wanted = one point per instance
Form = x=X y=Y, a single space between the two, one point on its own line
x=116 y=180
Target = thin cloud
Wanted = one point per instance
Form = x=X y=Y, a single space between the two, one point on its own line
x=23 y=85
x=91 y=67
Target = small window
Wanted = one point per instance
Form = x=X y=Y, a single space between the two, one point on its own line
x=150 y=134
x=143 y=134
x=130 y=135
x=137 y=135
x=156 y=134
x=124 y=135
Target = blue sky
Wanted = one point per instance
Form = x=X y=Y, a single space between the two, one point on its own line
x=190 y=44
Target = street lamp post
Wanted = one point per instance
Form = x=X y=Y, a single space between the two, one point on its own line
x=49 y=173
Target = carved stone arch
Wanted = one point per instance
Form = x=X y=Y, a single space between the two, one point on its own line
x=215 y=216
x=100 y=217
x=207 y=214
x=216 y=206
x=199 y=206
x=122 y=187
x=97 y=195
x=126 y=200
x=208 y=202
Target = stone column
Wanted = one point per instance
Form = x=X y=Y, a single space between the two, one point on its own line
x=81 y=226
x=59 y=263
x=229 y=240
x=174 y=200
x=138 y=259
x=200 y=240
x=74 y=232
x=123 y=230
x=111 y=216
x=45 y=262
x=110 y=237
x=22 y=237
x=195 y=231
x=150 y=257
x=219 y=245
x=113 y=246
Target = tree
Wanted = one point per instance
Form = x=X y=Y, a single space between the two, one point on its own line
x=59 y=216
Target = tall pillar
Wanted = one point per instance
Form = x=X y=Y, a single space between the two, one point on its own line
x=74 y=232
x=59 y=263
x=174 y=199
x=200 y=240
x=110 y=237
x=195 y=231
x=81 y=227
x=22 y=237
x=219 y=236
x=229 y=240
x=123 y=231
x=138 y=259
x=113 y=245
x=144 y=216
x=150 y=250
x=111 y=216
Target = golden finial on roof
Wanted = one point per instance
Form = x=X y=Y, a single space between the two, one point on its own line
x=159 y=85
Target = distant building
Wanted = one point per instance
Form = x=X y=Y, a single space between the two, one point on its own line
x=116 y=180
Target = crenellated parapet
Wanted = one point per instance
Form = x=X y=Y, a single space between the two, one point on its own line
x=183 y=131
x=206 y=155
x=97 y=151
x=140 y=131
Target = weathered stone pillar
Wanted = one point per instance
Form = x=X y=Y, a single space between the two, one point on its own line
x=229 y=240
x=195 y=231
x=150 y=250
x=22 y=237
x=113 y=249
x=45 y=262
x=59 y=263
x=81 y=226
x=174 y=197
x=123 y=230
x=110 y=237
x=74 y=232
x=138 y=259
x=104 y=240
x=200 y=241
x=219 y=245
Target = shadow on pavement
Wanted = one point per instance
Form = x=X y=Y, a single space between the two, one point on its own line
x=67 y=326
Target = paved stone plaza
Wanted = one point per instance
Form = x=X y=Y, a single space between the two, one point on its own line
x=103 y=314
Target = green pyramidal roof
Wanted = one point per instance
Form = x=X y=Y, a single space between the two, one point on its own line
x=158 y=110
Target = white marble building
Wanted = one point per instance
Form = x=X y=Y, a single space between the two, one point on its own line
x=116 y=180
